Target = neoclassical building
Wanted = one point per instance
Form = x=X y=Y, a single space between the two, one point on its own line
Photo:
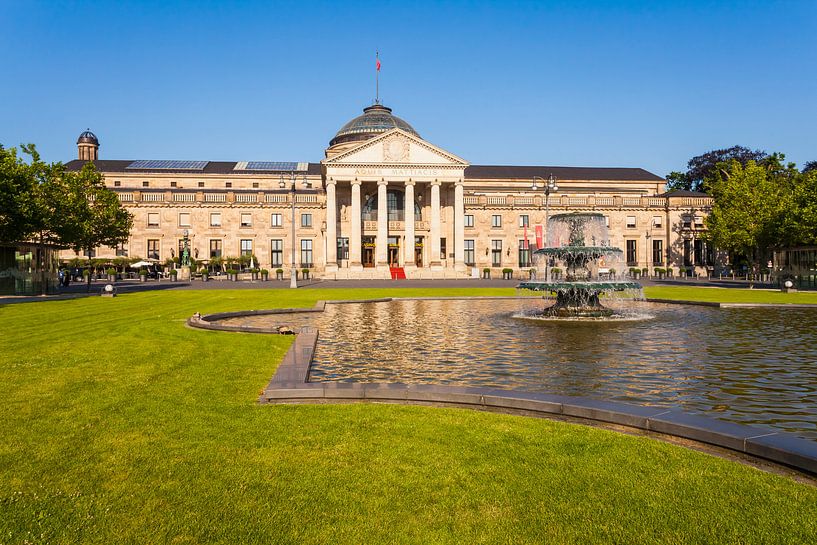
x=384 y=199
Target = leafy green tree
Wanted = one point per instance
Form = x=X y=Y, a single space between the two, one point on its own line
x=91 y=214
x=811 y=166
x=751 y=203
x=704 y=166
x=16 y=182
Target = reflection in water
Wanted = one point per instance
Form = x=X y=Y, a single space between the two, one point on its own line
x=746 y=365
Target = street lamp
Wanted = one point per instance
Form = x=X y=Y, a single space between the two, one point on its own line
x=549 y=187
x=647 y=252
x=293 y=274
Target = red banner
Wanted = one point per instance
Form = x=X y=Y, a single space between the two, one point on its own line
x=539 y=237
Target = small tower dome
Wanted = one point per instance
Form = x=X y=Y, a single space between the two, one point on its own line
x=88 y=146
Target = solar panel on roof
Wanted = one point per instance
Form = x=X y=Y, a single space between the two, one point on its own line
x=151 y=164
x=278 y=166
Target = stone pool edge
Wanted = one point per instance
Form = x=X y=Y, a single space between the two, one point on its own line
x=289 y=385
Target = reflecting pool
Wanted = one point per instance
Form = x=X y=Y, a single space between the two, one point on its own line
x=750 y=365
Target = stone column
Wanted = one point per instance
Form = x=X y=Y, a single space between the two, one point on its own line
x=435 y=224
x=331 y=227
x=408 y=206
x=355 y=242
x=382 y=224
x=459 y=226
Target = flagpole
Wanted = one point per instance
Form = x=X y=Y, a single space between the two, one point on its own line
x=377 y=77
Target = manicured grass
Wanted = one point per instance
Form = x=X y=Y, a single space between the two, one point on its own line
x=729 y=295
x=121 y=425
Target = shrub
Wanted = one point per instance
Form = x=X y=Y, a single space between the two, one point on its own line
x=645 y=271
x=204 y=271
x=612 y=271
x=265 y=272
x=111 y=271
x=556 y=270
x=279 y=271
x=305 y=270
x=486 y=270
x=507 y=271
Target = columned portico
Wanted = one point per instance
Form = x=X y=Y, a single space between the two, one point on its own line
x=382 y=224
x=356 y=241
x=331 y=227
x=408 y=218
x=435 y=225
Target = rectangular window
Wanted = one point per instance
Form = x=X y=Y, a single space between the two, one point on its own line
x=496 y=253
x=145 y=184
x=343 y=248
x=228 y=184
x=496 y=220
x=246 y=247
x=255 y=185
x=470 y=254
x=173 y=184
x=630 y=222
x=153 y=219
x=277 y=253
x=699 y=222
x=306 y=220
x=699 y=252
x=184 y=219
x=657 y=222
x=215 y=219
x=153 y=248
x=632 y=254
x=657 y=252
x=117 y=183
x=443 y=249
x=607 y=221
x=276 y=220
x=306 y=253
x=121 y=250
x=201 y=184
x=687 y=222
x=469 y=220
x=246 y=220
x=687 y=252
x=524 y=254
x=215 y=247
x=524 y=220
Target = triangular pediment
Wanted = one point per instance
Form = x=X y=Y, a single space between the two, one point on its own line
x=396 y=147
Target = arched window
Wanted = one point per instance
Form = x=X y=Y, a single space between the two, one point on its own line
x=394 y=205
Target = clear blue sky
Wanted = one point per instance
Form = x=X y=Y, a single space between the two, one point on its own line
x=645 y=84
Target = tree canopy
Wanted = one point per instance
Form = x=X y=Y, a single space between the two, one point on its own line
x=701 y=167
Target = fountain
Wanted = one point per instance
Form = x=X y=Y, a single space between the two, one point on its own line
x=579 y=243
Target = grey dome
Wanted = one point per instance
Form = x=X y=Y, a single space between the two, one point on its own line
x=88 y=137
x=376 y=119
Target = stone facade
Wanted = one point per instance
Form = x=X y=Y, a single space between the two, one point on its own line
x=391 y=199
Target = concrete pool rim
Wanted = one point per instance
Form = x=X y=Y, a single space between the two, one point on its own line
x=290 y=384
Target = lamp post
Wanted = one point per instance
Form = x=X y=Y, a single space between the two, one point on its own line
x=647 y=252
x=549 y=187
x=293 y=274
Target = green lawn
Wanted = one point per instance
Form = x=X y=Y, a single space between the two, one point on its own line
x=120 y=425
x=730 y=295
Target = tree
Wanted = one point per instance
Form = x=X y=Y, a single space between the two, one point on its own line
x=91 y=214
x=750 y=204
x=702 y=167
x=16 y=181
x=811 y=166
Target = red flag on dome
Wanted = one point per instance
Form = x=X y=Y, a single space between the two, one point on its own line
x=377 y=59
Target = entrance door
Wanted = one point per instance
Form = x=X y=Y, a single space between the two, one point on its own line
x=368 y=251
x=418 y=251
x=394 y=252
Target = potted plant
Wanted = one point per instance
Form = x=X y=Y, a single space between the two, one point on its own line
x=264 y=275
x=173 y=275
x=635 y=272
x=143 y=274
x=556 y=272
x=254 y=273
x=645 y=272
x=532 y=274
x=205 y=274
x=486 y=272
x=659 y=272
x=232 y=275
x=305 y=273
x=612 y=273
x=279 y=274
x=507 y=274
x=111 y=274
x=669 y=272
